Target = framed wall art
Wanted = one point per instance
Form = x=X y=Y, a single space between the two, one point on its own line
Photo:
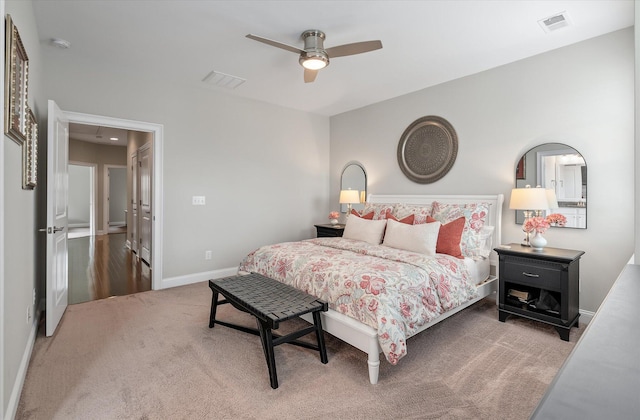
x=30 y=154
x=15 y=85
x=427 y=149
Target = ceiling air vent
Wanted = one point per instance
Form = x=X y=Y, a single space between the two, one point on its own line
x=555 y=22
x=223 y=80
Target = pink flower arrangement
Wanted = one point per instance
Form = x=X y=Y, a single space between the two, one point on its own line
x=556 y=219
x=537 y=224
x=334 y=215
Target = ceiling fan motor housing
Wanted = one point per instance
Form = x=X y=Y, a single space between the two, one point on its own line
x=314 y=50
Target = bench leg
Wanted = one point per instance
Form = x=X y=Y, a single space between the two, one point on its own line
x=317 y=321
x=214 y=305
x=267 y=345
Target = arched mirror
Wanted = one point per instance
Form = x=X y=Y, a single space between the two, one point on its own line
x=354 y=177
x=563 y=169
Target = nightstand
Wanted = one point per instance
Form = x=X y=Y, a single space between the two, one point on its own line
x=540 y=285
x=329 y=230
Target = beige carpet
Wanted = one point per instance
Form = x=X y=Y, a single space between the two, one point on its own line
x=152 y=356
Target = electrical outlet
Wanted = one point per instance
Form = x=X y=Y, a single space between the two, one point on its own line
x=198 y=200
x=207 y=255
x=34 y=296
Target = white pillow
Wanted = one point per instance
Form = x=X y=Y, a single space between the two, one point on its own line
x=370 y=231
x=484 y=242
x=417 y=238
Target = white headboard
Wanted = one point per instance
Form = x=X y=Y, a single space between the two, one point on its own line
x=495 y=208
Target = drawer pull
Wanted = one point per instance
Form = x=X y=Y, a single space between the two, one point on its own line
x=530 y=274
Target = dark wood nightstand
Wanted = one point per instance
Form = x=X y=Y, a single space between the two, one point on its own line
x=329 y=230
x=540 y=285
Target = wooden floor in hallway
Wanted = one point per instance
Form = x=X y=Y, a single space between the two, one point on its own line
x=102 y=266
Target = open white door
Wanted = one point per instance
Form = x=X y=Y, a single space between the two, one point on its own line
x=146 y=164
x=57 y=218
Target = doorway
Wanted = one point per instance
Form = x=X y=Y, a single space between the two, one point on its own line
x=100 y=264
x=155 y=131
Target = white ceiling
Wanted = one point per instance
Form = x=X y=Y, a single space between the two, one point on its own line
x=98 y=134
x=424 y=42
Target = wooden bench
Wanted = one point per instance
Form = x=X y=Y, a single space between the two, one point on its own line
x=271 y=303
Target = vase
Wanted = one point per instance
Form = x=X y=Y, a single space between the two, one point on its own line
x=538 y=242
x=334 y=221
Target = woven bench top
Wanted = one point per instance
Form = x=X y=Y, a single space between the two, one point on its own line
x=266 y=298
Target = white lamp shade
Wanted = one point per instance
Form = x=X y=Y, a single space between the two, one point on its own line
x=349 y=197
x=529 y=199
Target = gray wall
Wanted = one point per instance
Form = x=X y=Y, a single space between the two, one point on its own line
x=20 y=227
x=581 y=95
x=262 y=168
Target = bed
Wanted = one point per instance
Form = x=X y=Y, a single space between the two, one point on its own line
x=383 y=279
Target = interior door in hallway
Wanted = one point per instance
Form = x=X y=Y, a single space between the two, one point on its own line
x=57 y=217
x=133 y=229
x=145 y=214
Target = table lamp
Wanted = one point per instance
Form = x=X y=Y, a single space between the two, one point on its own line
x=529 y=200
x=349 y=197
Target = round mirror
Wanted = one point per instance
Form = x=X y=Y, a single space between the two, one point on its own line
x=354 y=177
x=562 y=169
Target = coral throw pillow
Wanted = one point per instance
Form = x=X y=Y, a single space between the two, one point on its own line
x=407 y=220
x=449 y=237
x=368 y=216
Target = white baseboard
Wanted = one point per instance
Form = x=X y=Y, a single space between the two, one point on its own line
x=197 y=277
x=14 y=399
x=586 y=316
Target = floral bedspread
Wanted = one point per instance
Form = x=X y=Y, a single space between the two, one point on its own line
x=391 y=290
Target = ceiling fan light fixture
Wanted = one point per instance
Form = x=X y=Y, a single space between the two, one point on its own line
x=313 y=63
x=314 y=60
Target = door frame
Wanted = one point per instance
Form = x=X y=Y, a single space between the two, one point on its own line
x=157 y=131
x=93 y=216
x=12 y=405
x=107 y=194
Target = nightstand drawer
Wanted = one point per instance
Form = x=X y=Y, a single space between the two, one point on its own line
x=533 y=273
x=327 y=230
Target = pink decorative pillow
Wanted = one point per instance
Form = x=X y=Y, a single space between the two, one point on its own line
x=449 y=237
x=379 y=210
x=407 y=220
x=475 y=215
x=420 y=212
x=368 y=216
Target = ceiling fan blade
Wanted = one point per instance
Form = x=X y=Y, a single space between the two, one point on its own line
x=310 y=75
x=355 y=48
x=275 y=44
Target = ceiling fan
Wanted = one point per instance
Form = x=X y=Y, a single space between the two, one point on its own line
x=314 y=56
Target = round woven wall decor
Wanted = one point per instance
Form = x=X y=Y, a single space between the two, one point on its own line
x=427 y=149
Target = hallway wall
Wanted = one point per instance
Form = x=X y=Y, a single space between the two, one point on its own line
x=81 y=151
